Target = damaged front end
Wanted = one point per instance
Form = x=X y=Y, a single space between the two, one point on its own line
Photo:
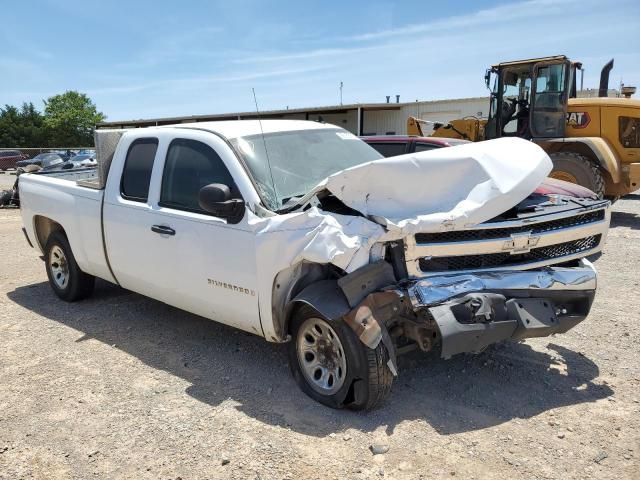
x=519 y=276
x=473 y=311
x=493 y=250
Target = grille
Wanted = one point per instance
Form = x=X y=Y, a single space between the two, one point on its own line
x=496 y=260
x=491 y=233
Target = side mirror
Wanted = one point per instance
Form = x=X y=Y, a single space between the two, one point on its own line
x=487 y=78
x=215 y=199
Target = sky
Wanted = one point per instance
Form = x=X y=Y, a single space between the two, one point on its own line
x=148 y=59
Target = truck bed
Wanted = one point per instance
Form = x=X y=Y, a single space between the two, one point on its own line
x=70 y=198
x=85 y=177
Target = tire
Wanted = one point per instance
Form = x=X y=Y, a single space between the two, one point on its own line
x=65 y=277
x=579 y=169
x=366 y=379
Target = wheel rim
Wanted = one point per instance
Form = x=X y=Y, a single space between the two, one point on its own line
x=321 y=356
x=59 y=267
x=566 y=176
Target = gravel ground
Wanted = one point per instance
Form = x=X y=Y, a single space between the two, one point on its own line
x=120 y=386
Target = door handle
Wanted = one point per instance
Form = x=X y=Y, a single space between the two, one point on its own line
x=163 y=230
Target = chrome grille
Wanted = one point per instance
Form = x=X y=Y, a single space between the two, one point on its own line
x=488 y=233
x=497 y=260
x=527 y=243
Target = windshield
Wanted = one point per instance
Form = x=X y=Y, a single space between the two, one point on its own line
x=80 y=158
x=52 y=160
x=299 y=160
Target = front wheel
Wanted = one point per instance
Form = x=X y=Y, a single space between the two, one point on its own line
x=65 y=277
x=332 y=366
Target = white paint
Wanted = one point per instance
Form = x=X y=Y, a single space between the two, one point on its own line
x=198 y=268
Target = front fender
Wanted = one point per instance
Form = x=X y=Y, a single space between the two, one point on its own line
x=325 y=296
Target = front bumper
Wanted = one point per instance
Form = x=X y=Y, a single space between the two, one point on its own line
x=475 y=310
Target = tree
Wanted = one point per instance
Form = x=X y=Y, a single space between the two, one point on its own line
x=22 y=127
x=70 y=119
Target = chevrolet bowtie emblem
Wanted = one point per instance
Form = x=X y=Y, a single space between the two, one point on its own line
x=520 y=243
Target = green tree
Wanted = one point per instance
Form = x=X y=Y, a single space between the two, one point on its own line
x=9 y=128
x=70 y=119
x=22 y=127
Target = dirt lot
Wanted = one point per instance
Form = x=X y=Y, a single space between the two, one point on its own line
x=120 y=386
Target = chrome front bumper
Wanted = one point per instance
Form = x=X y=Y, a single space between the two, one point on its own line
x=437 y=289
x=473 y=311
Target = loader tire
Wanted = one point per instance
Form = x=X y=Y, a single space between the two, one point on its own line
x=361 y=380
x=575 y=168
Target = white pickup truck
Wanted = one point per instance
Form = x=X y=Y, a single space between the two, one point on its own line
x=300 y=232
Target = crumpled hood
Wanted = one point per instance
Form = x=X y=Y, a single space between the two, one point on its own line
x=442 y=189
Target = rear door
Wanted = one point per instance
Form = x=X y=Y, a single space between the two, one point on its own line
x=549 y=99
x=126 y=216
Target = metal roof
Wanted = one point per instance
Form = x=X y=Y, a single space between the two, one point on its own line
x=273 y=113
x=530 y=60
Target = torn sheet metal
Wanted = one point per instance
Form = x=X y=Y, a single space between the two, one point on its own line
x=368 y=322
x=444 y=189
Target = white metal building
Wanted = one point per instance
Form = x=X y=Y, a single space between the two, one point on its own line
x=360 y=118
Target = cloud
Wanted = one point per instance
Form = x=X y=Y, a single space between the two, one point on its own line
x=527 y=10
x=175 y=71
x=203 y=81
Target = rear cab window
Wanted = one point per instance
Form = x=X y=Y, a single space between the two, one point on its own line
x=189 y=166
x=136 y=174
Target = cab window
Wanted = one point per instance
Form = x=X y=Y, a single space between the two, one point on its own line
x=390 y=149
x=423 y=147
x=138 y=164
x=629 y=129
x=189 y=166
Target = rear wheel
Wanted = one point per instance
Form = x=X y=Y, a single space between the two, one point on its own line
x=575 y=168
x=332 y=366
x=65 y=277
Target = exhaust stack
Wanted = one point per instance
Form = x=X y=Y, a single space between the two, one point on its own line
x=604 y=79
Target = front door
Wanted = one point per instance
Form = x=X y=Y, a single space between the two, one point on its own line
x=549 y=99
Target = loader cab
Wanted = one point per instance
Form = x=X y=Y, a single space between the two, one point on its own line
x=529 y=98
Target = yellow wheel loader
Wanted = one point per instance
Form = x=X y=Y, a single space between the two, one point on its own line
x=594 y=142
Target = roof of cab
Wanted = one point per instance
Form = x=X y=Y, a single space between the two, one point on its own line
x=241 y=128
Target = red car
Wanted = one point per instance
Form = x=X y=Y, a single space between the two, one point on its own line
x=8 y=158
x=392 y=145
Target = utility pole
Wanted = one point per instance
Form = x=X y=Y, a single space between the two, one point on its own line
x=341 y=84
